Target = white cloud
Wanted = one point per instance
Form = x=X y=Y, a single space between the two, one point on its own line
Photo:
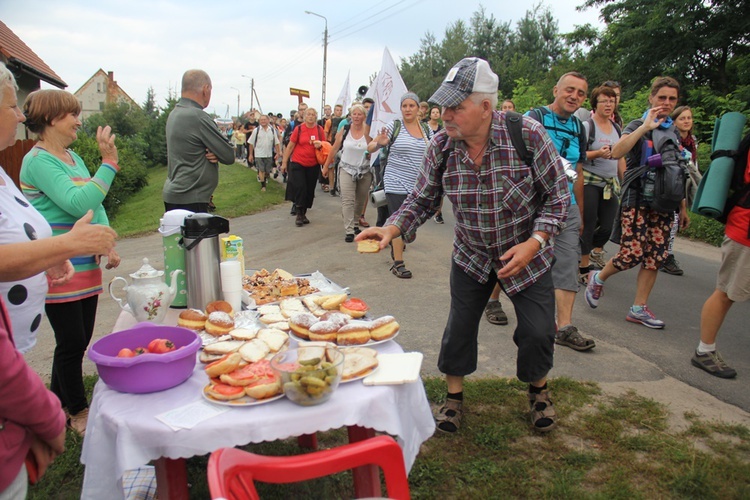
x=151 y=43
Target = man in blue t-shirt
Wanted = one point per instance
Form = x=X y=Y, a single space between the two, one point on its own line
x=568 y=136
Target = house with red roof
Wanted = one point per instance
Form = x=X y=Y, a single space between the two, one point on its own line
x=29 y=71
x=99 y=90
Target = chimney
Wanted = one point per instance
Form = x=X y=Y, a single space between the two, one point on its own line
x=111 y=76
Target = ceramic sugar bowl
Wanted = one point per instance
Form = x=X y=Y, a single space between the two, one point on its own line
x=147 y=296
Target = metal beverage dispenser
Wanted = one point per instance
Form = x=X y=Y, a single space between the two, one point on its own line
x=200 y=235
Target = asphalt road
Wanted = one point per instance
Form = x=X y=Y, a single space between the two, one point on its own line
x=627 y=355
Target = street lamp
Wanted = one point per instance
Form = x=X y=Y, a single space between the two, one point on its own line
x=238 y=101
x=325 y=57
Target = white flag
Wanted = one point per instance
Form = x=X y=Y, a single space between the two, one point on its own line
x=386 y=90
x=345 y=97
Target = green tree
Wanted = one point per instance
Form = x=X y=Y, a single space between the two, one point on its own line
x=693 y=40
x=526 y=96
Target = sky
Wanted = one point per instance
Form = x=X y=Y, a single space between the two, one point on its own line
x=150 y=43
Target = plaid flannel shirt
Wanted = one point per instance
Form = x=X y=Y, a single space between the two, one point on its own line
x=496 y=208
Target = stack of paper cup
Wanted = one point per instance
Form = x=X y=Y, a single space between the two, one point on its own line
x=231 y=283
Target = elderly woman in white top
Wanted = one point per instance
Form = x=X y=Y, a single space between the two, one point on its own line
x=355 y=176
x=407 y=140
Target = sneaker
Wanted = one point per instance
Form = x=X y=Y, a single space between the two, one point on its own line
x=439 y=219
x=597 y=259
x=713 y=364
x=593 y=290
x=644 y=317
x=672 y=266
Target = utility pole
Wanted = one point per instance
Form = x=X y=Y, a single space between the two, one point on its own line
x=325 y=57
x=252 y=92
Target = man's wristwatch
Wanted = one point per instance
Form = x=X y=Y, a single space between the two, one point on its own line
x=542 y=241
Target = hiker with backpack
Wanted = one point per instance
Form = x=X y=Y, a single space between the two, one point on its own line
x=601 y=178
x=568 y=135
x=733 y=280
x=507 y=205
x=355 y=175
x=683 y=120
x=404 y=143
x=302 y=164
x=653 y=188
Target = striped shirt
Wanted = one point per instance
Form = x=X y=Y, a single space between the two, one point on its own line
x=495 y=208
x=404 y=160
x=63 y=194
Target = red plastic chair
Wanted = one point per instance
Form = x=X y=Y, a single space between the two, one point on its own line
x=232 y=472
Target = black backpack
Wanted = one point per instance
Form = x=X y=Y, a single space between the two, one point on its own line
x=669 y=179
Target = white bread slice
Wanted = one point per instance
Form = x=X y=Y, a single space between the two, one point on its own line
x=274 y=338
x=313 y=306
x=209 y=358
x=281 y=325
x=254 y=350
x=272 y=318
x=356 y=364
x=243 y=334
x=308 y=351
x=365 y=351
x=224 y=347
x=333 y=301
x=269 y=309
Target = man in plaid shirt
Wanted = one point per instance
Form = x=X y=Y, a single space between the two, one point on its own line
x=505 y=211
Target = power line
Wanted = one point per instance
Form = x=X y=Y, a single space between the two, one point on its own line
x=292 y=62
x=361 y=15
x=374 y=22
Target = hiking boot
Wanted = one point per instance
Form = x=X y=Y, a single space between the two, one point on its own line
x=77 y=423
x=644 y=317
x=305 y=220
x=593 y=290
x=597 y=259
x=672 y=266
x=713 y=364
x=569 y=336
x=439 y=219
x=299 y=221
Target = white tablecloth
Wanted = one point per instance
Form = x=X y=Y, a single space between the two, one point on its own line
x=124 y=434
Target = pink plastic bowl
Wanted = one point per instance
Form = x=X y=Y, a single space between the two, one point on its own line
x=147 y=372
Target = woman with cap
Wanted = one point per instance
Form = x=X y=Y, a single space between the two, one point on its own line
x=405 y=141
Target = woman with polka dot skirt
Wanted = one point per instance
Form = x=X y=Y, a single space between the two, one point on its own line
x=58 y=184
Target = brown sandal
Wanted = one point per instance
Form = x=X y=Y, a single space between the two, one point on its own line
x=543 y=413
x=399 y=269
x=571 y=337
x=448 y=419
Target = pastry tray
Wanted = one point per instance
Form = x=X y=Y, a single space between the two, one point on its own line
x=316 y=279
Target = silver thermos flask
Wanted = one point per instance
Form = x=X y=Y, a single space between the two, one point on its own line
x=200 y=235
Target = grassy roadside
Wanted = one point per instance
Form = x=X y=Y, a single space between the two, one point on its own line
x=604 y=447
x=238 y=194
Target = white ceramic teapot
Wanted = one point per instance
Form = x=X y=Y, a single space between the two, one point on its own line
x=148 y=296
